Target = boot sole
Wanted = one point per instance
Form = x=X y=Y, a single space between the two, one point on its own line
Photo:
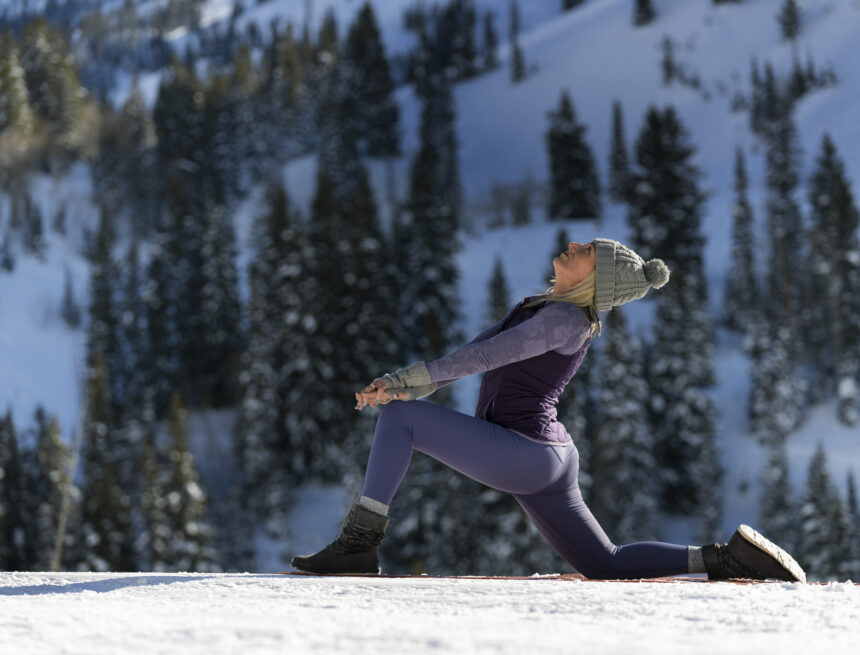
x=766 y=546
x=308 y=572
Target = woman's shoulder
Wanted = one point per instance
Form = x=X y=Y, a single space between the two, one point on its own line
x=566 y=314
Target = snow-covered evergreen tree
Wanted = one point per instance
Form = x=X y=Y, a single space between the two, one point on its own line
x=106 y=506
x=52 y=82
x=277 y=436
x=49 y=482
x=822 y=549
x=741 y=292
x=518 y=64
x=188 y=545
x=789 y=20
x=103 y=328
x=69 y=309
x=498 y=296
x=14 y=101
x=623 y=461
x=785 y=225
x=757 y=108
x=491 y=42
x=369 y=106
x=574 y=186
x=666 y=206
x=13 y=519
x=619 y=160
x=834 y=280
x=852 y=566
x=643 y=12
x=161 y=297
x=430 y=304
x=776 y=402
x=219 y=306
x=777 y=511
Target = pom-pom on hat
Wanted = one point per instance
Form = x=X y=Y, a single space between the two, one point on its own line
x=621 y=275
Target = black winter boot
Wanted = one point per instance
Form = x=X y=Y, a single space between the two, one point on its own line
x=749 y=555
x=354 y=550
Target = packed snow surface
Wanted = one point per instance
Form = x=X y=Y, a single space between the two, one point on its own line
x=229 y=613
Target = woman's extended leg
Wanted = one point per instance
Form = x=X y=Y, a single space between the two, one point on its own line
x=481 y=450
x=562 y=517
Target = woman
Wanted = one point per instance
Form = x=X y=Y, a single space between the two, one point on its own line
x=514 y=442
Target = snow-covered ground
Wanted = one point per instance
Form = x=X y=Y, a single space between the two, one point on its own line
x=209 y=614
x=595 y=54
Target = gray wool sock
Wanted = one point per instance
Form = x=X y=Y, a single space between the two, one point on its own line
x=373 y=505
x=695 y=561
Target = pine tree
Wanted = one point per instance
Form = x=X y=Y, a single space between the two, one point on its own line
x=797 y=82
x=491 y=42
x=69 y=310
x=820 y=552
x=103 y=330
x=220 y=307
x=13 y=518
x=619 y=160
x=666 y=203
x=54 y=88
x=50 y=480
x=623 y=463
x=757 y=108
x=852 y=565
x=13 y=90
x=741 y=292
x=33 y=229
x=137 y=141
x=328 y=41
x=499 y=301
x=153 y=543
x=643 y=13
x=667 y=62
x=776 y=393
x=575 y=188
x=518 y=64
x=7 y=255
x=161 y=298
x=785 y=284
x=16 y=119
x=834 y=279
x=275 y=444
x=188 y=545
x=106 y=506
x=434 y=217
x=777 y=513
x=180 y=122
x=369 y=104
x=664 y=215
x=789 y=20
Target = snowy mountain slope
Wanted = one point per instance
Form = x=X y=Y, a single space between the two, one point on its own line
x=211 y=614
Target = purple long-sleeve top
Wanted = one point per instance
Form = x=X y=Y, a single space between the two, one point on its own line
x=528 y=358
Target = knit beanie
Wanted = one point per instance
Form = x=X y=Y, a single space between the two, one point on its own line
x=621 y=275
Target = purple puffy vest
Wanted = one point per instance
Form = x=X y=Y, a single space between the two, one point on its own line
x=523 y=396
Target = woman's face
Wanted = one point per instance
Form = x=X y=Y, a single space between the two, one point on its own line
x=573 y=265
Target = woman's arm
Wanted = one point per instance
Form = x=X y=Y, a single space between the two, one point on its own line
x=558 y=326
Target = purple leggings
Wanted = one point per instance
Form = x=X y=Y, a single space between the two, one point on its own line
x=542 y=477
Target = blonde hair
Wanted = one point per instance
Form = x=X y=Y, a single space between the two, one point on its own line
x=581 y=295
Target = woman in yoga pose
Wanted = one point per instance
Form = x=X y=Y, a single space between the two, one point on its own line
x=514 y=442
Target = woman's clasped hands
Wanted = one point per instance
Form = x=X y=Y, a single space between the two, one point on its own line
x=377 y=393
